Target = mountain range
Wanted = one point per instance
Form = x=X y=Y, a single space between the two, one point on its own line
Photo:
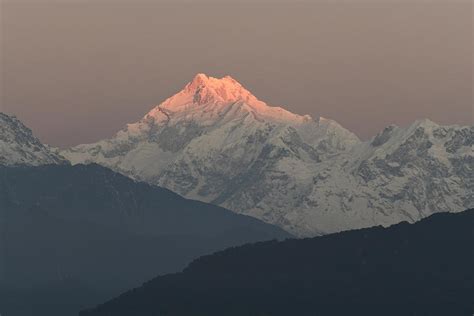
x=214 y=141
x=80 y=225
x=407 y=269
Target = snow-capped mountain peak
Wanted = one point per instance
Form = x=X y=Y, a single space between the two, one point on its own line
x=205 y=89
x=18 y=145
x=206 y=100
x=188 y=142
x=215 y=141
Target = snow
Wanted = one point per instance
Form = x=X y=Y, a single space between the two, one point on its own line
x=216 y=142
x=18 y=146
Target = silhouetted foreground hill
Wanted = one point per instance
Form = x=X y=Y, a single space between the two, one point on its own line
x=75 y=236
x=425 y=268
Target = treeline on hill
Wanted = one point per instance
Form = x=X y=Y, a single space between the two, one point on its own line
x=424 y=268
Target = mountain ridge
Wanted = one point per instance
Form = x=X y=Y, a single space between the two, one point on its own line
x=18 y=145
x=422 y=268
x=214 y=141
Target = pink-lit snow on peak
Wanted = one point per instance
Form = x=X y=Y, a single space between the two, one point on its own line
x=205 y=94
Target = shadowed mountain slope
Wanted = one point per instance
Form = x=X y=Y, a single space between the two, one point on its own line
x=87 y=227
x=407 y=269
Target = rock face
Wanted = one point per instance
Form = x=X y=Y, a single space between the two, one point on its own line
x=18 y=146
x=216 y=142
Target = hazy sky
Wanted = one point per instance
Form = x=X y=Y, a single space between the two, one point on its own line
x=77 y=71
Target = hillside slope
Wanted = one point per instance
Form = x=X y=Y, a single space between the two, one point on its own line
x=92 y=230
x=407 y=269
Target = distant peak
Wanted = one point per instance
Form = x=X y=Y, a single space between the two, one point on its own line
x=205 y=89
x=203 y=80
x=425 y=123
x=201 y=76
x=208 y=96
x=199 y=79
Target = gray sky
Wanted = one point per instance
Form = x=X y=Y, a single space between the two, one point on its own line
x=77 y=71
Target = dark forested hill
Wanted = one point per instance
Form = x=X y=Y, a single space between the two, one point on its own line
x=71 y=236
x=424 y=268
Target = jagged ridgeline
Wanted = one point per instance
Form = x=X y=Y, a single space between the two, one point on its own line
x=79 y=234
x=18 y=145
x=215 y=141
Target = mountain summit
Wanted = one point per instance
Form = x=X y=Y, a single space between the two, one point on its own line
x=214 y=141
x=203 y=90
x=207 y=99
x=206 y=89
